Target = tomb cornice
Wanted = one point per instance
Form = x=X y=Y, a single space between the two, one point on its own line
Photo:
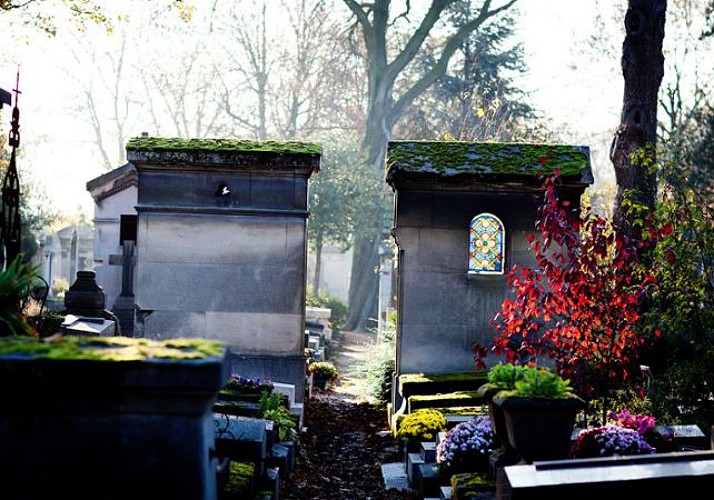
x=231 y=154
x=500 y=165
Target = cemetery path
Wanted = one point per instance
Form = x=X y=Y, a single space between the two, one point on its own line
x=347 y=438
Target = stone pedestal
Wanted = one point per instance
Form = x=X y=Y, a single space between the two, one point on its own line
x=109 y=418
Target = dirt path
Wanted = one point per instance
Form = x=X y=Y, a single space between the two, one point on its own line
x=347 y=439
x=352 y=351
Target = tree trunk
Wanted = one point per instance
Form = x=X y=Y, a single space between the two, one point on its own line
x=633 y=148
x=318 y=262
x=364 y=285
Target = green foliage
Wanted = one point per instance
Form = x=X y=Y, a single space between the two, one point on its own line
x=323 y=370
x=338 y=309
x=422 y=424
x=271 y=407
x=285 y=424
x=503 y=376
x=15 y=282
x=240 y=481
x=535 y=382
x=683 y=306
x=379 y=365
x=476 y=99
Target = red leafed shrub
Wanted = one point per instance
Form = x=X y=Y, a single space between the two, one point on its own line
x=580 y=305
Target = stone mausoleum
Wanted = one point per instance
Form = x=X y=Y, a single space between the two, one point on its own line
x=462 y=211
x=221 y=248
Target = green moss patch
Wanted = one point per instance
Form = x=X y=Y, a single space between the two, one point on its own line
x=240 y=483
x=433 y=383
x=110 y=348
x=458 y=399
x=467 y=485
x=485 y=159
x=162 y=144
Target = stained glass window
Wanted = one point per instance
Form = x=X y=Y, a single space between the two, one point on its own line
x=487 y=247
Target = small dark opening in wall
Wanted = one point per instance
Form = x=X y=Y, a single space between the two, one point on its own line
x=223 y=190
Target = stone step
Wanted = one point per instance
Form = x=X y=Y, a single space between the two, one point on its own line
x=445 y=401
x=394 y=476
x=412 y=384
x=428 y=451
x=414 y=460
x=445 y=493
x=429 y=480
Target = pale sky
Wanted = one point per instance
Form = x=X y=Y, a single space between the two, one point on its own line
x=581 y=93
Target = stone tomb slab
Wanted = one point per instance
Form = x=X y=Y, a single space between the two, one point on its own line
x=642 y=476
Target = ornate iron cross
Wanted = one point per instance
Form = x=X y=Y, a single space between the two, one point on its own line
x=10 y=234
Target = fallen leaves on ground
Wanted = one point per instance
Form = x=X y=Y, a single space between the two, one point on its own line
x=340 y=456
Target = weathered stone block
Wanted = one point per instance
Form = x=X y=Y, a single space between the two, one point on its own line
x=109 y=418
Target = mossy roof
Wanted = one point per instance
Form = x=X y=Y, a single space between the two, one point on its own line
x=232 y=152
x=110 y=348
x=156 y=144
x=485 y=160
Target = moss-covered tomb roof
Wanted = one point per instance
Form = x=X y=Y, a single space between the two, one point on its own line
x=447 y=159
x=222 y=151
x=220 y=145
x=111 y=348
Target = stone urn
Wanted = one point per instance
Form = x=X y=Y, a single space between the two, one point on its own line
x=540 y=428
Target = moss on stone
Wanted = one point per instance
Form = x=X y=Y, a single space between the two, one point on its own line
x=465 y=411
x=487 y=159
x=159 y=144
x=440 y=378
x=110 y=348
x=468 y=484
x=451 y=395
x=240 y=480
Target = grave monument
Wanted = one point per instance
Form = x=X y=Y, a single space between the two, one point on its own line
x=462 y=211
x=221 y=248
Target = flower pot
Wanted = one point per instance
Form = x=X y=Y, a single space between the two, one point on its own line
x=320 y=383
x=503 y=453
x=538 y=428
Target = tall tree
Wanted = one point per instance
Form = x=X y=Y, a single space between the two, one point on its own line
x=643 y=68
x=476 y=99
x=385 y=106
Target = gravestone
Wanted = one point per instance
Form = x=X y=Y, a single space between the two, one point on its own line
x=445 y=302
x=124 y=304
x=638 y=476
x=221 y=247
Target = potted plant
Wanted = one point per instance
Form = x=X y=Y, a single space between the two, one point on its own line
x=420 y=425
x=540 y=414
x=323 y=373
x=466 y=447
x=239 y=388
x=501 y=377
x=610 y=440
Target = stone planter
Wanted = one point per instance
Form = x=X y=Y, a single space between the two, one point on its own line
x=503 y=454
x=321 y=383
x=540 y=429
x=109 y=418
